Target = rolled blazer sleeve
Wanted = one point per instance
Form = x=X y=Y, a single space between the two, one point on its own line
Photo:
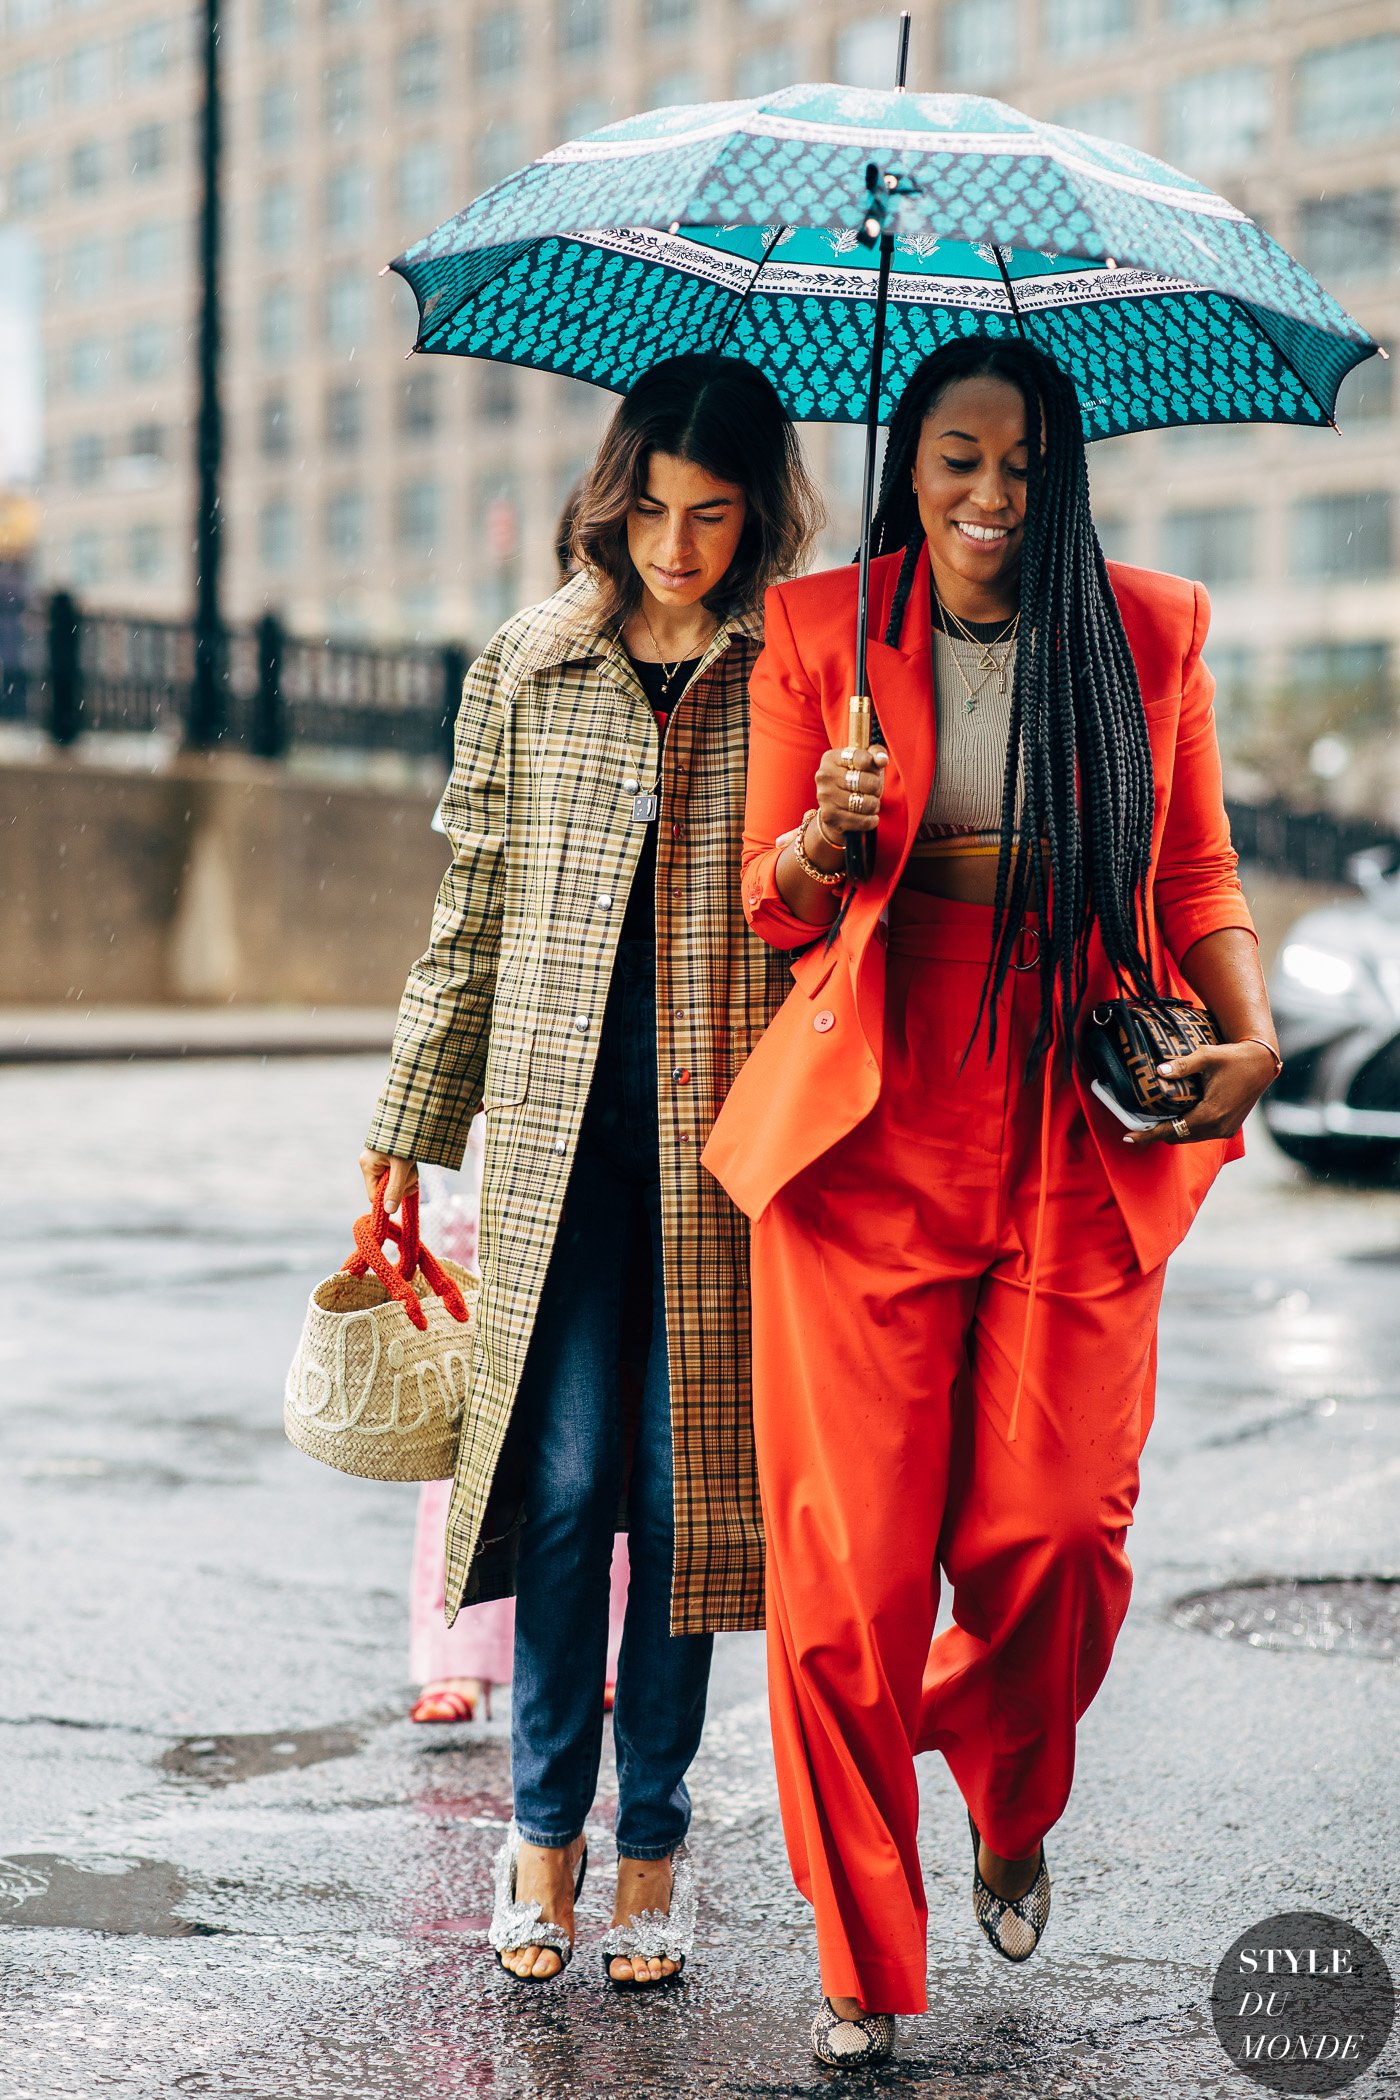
x=1197 y=887
x=438 y=1063
x=787 y=738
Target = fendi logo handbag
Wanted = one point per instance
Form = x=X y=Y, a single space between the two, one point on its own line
x=1126 y=1040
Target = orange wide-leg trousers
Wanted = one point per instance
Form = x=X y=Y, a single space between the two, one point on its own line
x=910 y=1419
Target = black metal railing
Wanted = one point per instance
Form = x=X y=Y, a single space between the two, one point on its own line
x=76 y=671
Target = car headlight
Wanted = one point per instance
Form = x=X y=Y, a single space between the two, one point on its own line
x=1318 y=970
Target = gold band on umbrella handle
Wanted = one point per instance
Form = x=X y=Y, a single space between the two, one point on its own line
x=860 y=845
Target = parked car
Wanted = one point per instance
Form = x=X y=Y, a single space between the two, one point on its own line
x=1336 y=996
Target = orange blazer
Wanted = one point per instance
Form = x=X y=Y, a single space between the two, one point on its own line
x=806 y=1086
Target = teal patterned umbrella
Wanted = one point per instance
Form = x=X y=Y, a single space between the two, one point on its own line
x=737 y=226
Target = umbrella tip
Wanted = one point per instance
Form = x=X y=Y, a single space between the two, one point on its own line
x=1381 y=351
x=386 y=269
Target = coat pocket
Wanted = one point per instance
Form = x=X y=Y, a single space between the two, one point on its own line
x=814 y=966
x=508 y=1070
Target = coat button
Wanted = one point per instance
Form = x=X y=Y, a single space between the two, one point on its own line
x=581 y=1023
x=605 y=903
x=685 y=1137
x=824 y=1020
x=561 y=1145
x=678 y=831
x=681 y=1076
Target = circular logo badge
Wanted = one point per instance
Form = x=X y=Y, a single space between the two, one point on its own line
x=1303 y=2003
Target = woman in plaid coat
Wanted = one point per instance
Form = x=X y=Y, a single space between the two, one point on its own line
x=592 y=987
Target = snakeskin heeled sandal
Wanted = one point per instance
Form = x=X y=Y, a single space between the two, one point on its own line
x=657 y=1935
x=1014 y=1928
x=851 y=2045
x=515 y=1924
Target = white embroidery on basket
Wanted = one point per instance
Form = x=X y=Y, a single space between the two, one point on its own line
x=316 y=1389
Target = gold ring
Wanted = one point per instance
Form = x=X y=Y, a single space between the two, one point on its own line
x=848 y=754
x=856 y=804
x=853 y=780
x=1179 y=1127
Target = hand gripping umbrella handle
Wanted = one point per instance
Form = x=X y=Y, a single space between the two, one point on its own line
x=860 y=845
x=372 y=1231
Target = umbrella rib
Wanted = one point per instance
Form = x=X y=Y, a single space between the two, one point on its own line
x=740 y=303
x=1015 y=309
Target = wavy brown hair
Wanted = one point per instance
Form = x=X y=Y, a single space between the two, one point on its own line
x=721 y=415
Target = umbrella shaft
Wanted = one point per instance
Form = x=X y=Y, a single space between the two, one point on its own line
x=872 y=432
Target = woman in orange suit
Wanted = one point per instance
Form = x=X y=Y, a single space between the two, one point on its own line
x=958 y=1253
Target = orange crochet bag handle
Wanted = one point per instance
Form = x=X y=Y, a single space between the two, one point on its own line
x=372 y=1231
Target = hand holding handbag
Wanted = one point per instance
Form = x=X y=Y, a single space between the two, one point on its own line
x=379 y=1382
x=1123 y=1044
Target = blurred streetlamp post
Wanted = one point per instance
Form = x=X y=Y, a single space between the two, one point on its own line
x=208 y=701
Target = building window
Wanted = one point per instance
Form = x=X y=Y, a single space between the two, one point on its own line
x=147 y=53
x=29 y=184
x=89 y=358
x=865 y=53
x=1348 y=91
x=345 y=523
x=497 y=395
x=418 y=404
x=29 y=93
x=672 y=90
x=419 y=512
x=146 y=444
x=499 y=43
x=1368 y=391
x=150 y=251
x=277 y=322
x=590 y=114
x=764 y=71
x=344 y=10
x=500 y=150
x=277 y=217
x=149 y=149
x=419 y=71
x=274 y=426
x=420 y=181
x=1074 y=26
x=86 y=73
x=1217 y=119
x=276 y=534
x=277 y=21
x=145 y=552
x=581 y=25
x=663 y=17
x=980 y=43
x=1202 y=11
x=344 y=418
x=1121 y=119
x=89 y=267
x=348 y=210
x=1353 y=669
x=147 y=350
x=1115 y=535
x=346 y=310
x=1344 y=538
x=345 y=94
x=85 y=560
x=85 y=167
x=87 y=457
x=1351 y=235
x=277 y=114
x=1210 y=546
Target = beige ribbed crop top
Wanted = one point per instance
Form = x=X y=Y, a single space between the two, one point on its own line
x=963 y=812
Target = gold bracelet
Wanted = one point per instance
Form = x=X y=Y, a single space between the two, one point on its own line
x=1278 y=1061
x=838 y=845
x=828 y=881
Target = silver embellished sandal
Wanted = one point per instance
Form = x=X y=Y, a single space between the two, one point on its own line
x=1014 y=1928
x=851 y=2045
x=657 y=1935
x=516 y=1924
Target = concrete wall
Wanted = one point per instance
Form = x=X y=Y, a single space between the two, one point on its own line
x=217 y=880
x=224 y=880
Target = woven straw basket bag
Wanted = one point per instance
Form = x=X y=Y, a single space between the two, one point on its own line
x=379 y=1381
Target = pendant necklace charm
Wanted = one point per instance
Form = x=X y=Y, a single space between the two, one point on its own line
x=645 y=807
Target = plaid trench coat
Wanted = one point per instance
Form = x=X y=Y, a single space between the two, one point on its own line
x=502 y=1013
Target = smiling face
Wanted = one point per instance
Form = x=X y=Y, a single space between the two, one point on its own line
x=970 y=483
x=683 y=531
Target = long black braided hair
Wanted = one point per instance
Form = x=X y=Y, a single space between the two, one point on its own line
x=1078 y=744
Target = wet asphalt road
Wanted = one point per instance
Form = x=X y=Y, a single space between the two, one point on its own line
x=231 y=1868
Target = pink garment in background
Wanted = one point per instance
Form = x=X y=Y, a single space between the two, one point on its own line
x=480 y=1644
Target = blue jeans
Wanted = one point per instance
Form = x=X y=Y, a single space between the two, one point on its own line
x=569 y=1418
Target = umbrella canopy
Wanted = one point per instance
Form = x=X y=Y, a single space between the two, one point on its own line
x=735 y=226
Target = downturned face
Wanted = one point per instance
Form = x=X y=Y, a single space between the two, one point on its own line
x=683 y=531
x=970 y=482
